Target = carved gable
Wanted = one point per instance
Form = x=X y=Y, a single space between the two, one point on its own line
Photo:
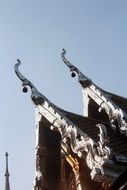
x=79 y=152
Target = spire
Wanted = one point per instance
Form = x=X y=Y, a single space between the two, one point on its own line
x=7 y=185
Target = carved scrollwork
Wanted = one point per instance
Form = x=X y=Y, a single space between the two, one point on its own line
x=96 y=161
x=119 y=121
x=116 y=117
x=97 y=153
x=102 y=148
x=104 y=106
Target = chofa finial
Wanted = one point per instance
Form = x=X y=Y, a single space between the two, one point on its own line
x=73 y=69
x=25 y=81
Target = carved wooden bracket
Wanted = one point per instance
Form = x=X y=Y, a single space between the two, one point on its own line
x=73 y=162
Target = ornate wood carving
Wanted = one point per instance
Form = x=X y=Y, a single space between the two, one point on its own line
x=96 y=154
x=73 y=162
x=117 y=117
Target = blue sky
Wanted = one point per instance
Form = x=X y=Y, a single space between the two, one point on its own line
x=94 y=33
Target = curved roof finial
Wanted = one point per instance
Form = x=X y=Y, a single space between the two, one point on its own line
x=25 y=81
x=73 y=69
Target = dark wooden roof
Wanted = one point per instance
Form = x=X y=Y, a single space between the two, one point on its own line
x=118 y=100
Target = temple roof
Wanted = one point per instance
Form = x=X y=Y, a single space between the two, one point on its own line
x=117 y=141
x=103 y=142
x=118 y=100
x=113 y=105
x=85 y=81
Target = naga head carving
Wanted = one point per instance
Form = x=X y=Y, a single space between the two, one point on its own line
x=74 y=70
x=25 y=81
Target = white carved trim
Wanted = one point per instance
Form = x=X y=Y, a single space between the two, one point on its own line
x=38 y=174
x=97 y=153
x=85 y=102
x=114 y=113
x=80 y=142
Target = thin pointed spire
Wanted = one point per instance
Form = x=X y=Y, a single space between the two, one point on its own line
x=7 y=185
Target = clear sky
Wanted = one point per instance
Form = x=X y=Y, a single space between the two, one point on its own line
x=94 y=33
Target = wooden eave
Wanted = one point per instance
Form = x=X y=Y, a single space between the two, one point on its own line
x=120 y=101
x=94 y=138
x=113 y=105
x=117 y=141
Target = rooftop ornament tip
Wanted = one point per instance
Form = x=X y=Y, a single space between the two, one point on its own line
x=74 y=69
x=25 y=81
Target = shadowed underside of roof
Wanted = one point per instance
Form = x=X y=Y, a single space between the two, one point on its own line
x=117 y=141
x=84 y=133
x=118 y=100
